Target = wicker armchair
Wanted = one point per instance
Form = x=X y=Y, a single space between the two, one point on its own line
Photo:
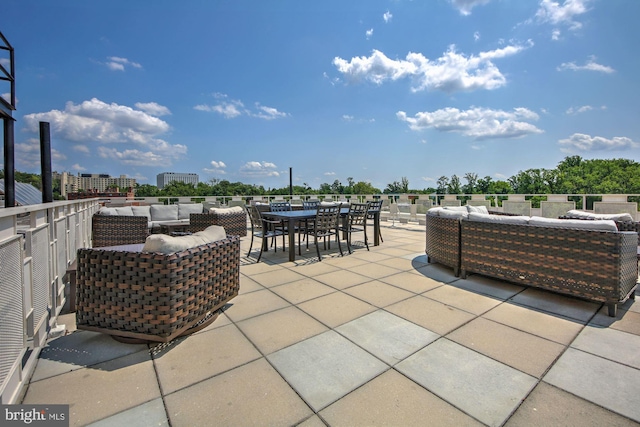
x=234 y=223
x=118 y=230
x=135 y=295
x=443 y=241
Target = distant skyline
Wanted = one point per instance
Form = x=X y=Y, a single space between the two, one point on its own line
x=368 y=89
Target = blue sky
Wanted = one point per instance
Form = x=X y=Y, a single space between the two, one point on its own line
x=373 y=90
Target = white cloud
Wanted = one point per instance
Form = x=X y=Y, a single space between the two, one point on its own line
x=218 y=165
x=347 y=118
x=230 y=109
x=369 y=33
x=552 y=12
x=465 y=6
x=582 y=142
x=578 y=110
x=217 y=168
x=81 y=148
x=96 y=122
x=476 y=36
x=590 y=65
x=116 y=63
x=77 y=167
x=478 y=123
x=27 y=155
x=555 y=35
x=387 y=16
x=259 y=169
x=153 y=108
x=450 y=73
x=5 y=62
x=329 y=174
x=428 y=179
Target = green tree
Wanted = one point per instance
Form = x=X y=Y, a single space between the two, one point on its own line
x=454 y=186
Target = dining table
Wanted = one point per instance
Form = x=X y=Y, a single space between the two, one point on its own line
x=295 y=216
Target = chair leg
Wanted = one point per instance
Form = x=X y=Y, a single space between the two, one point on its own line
x=318 y=248
x=250 y=245
x=339 y=245
x=366 y=241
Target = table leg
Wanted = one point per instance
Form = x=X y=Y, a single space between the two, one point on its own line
x=292 y=239
x=376 y=229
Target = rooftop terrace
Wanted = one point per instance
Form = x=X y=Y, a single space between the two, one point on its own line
x=377 y=337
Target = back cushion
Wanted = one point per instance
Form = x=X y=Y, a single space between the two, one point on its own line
x=165 y=244
x=164 y=212
x=226 y=211
x=124 y=211
x=502 y=219
x=186 y=209
x=107 y=211
x=456 y=208
x=142 y=211
x=478 y=209
x=597 y=224
x=450 y=213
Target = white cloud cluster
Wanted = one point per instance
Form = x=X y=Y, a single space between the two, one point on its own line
x=369 y=33
x=96 y=122
x=582 y=142
x=451 y=72
x=387 y=16
x=28 y=154
x=153 y=108
x=259 y=169
x=478 y=123
x=553 y=13
x=465 y=6
x=217 y=168
x=232 y=108
x=116 y=63
x=590 y=65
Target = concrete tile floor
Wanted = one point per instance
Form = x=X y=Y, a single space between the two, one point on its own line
x=377 y=337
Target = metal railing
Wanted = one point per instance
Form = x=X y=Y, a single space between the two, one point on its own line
x=37 y=244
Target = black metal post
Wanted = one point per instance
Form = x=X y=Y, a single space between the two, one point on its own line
x=291 y=181
x=9 y=165
x=45 y=163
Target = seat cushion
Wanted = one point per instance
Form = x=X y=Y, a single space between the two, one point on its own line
x=165 y=244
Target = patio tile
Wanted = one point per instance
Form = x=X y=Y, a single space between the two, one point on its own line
x=253 y=394
x=552 y=327
x=400 y=264
x=212 y=352
x=430 y=314
x=551 y=406
x=488 y=286
x=378 y=293
x=345 y=262
x=606 y=383
x=483 y=388
x=628 y=321
x=386 y=336
x=278 y=329
x=611 y=344
x=437 y=272
x=374 y=271
x=556 y=303
x=392 y=399
x=326 y=367
x=336 y=308
x=313 y=421
x=462 y=299
x=369 y=256
x=302 y=290
x=147 y=414
x=396 y=252
x=248 y=285
x=412 y=282
x=277 y=277
x=104 y=389
x=78 y=350
x=254 y=304
x=342 y=279
x=525 y=352
x=313 y=269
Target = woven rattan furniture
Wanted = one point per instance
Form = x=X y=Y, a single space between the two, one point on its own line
x=596 y=265
x=148 y=296
x=118 y=230
x=443 y=241
x=233 y=221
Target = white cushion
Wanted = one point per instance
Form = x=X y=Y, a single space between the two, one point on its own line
x=580 y=224
x=615 y=217
x=435 y=211
x=186 y=209
x=502 y=219
x=107 y=211
x=478 y=209
x=449 y=213
x=165 y=244
x=124 y=211
x=226 y=211
x=164 y=212
x=142 y=211
x=456 y=208
x=574 y=213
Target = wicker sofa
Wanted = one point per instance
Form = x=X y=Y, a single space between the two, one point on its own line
x=135 y=294
x=592 y=264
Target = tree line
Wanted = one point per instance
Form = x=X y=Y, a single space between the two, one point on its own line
x=573 y=175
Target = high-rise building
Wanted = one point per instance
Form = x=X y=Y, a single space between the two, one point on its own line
x=165 y=178
x=92 y=182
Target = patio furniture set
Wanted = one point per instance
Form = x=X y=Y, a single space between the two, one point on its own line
x=595 y=260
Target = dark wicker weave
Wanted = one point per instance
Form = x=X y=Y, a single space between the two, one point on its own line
x=595 y=265
x=118 y=230
x=152 y=296
x=443 y=241
x=234 y=223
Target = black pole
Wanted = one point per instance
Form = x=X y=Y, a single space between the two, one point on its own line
x=45 y=163
x=290 y=182
x=9 y=165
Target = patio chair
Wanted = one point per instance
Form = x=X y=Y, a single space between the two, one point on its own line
x=326 y=224
x=263 y=228
x=115 y=230
x=355 y=222
x=375 y=207
x=307 y=205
